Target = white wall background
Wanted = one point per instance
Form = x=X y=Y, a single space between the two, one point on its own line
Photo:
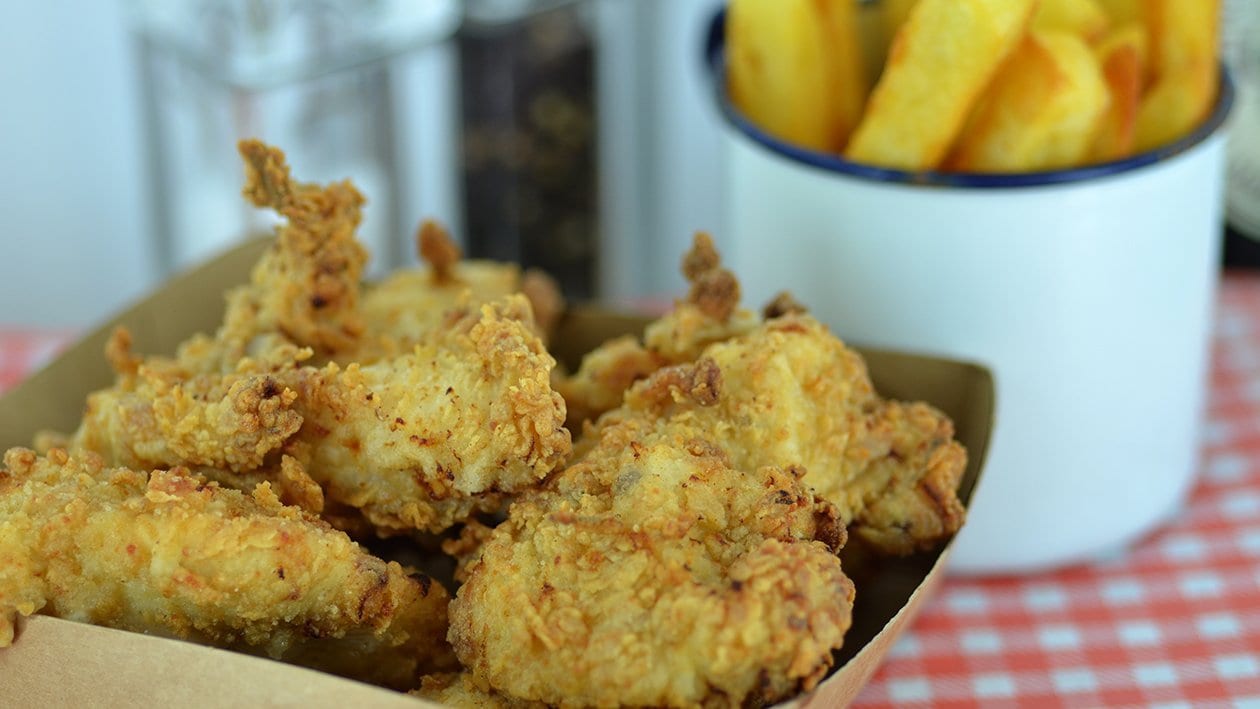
x=73 y=215
x=71 y=229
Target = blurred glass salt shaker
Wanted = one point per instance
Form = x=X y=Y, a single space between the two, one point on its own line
x=530 y=134
x=1242 y=53
x=310 y=76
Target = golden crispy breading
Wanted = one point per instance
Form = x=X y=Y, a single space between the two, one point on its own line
x=450 y=411
x=783 y=303
x=460 y=690
x=159 y=414
x=424 y=440
x=911 y=484
x=405 y=307
x=605 y=375
x=709 y=314
x=793 y=394
x=435 y=245
x=166 y=553
x=306 y=287
x=465 y=548
x=653 y=573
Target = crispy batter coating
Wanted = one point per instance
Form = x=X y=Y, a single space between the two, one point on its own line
x=402 y=309
x=653 y=573
x=709 y=314
x=306 y=287
x=793 y=394
x=603 y=378
x=166 y=553
x=424 y=440
x=450 y=410
x=461 y=691
x=160 y=414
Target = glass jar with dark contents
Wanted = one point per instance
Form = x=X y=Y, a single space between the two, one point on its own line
x=529 y=138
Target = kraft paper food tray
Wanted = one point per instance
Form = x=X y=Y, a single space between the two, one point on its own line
x=59 y=663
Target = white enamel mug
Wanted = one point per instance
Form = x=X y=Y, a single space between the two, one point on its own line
x=1089 y=293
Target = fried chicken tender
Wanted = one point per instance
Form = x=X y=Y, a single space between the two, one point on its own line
x=710 y=313
x=793 y=394
x=424 y=440
x=169 y=554
x=403 y=308
x=653 y=573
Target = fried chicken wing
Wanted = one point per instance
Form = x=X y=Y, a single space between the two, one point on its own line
x=653 y=573
x=403 y=308
x=166 y=553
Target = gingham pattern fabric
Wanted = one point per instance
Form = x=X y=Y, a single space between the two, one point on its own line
x=24 y=351
x=1172 y=622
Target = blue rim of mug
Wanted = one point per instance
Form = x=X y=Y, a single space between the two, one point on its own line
x=715 y=59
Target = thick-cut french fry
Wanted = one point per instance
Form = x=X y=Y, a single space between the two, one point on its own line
x=842 y=49
x=795 y=68
x=940 y=61
x=1183 y=33
x=1122 y=56
x=1122 y=12
x=1177 y=103
x=878 y=23
x=1041 y=112
x=894 y=14
x=1086 y=18
x=1185 y=43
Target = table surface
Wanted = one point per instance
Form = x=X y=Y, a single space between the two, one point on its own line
x=1172 y=621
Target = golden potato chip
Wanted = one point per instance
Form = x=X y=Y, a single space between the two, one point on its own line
x=794 y=68
x=940 y=61
x=1086 y=18
x=1041 y=112
x=1122 y=56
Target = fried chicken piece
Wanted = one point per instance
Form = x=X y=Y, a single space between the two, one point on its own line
x=304 y=291
x=160 y=414
x=653 y=573
x=795 y=395
x=603 y=378
x=306 y=287
x=168 y=554
x=422 y=441
x=217 y=406
x=709 y=314
x=400 y=310
x=459 y=416
x=460 y=690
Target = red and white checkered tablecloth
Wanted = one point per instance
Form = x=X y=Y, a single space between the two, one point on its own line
x=1171 y=622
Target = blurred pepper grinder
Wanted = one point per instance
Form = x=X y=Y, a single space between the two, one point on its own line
x=1242 y=202
x=529 y=139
